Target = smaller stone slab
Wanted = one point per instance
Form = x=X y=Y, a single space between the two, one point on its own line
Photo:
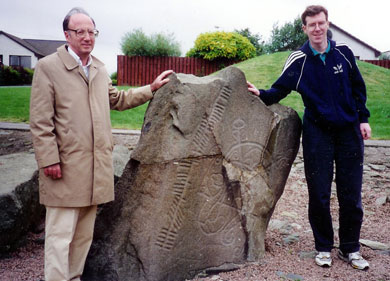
x=19 y=201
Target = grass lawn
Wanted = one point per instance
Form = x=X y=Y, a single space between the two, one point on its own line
x=14 y=104
x=261 y=71
x=14 y=107
x=128 y=119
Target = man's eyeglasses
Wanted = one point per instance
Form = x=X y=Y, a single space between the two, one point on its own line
x=81 y=33
x=313 y=26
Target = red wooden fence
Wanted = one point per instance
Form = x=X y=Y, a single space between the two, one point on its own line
x=139 y=71
x=383 y=63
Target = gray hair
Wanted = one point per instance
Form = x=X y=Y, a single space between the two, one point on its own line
x=73 y=11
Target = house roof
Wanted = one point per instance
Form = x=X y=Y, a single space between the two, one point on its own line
x=40 y=48
x=46 y=47
x=377 y=52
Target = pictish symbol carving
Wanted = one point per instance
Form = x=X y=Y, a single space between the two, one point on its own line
x=168 y=234
x=206 y=127
x=244 y=154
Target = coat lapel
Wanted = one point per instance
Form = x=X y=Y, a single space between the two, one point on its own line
x=69 y=62
x=92 y=71
x=82 y=73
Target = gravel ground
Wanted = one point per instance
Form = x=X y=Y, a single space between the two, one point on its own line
x=293 y=260
x=289 y=249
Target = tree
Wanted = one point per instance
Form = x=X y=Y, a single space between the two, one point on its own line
x=137 y=43
x=286 y=38
x=384 y=57
x=222 y=45
x=255 y=39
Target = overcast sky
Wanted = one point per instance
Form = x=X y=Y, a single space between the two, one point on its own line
x=186 y=19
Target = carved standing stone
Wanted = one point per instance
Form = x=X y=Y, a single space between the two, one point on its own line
x=201 y=185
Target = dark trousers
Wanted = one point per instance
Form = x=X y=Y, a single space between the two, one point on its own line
x=322 y=148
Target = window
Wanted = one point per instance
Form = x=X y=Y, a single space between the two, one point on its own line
x=24 y=61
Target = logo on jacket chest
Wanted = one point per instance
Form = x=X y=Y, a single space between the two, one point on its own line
x=338 y=68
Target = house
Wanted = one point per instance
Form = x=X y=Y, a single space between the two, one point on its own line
x=15 y=51
x=362 y=50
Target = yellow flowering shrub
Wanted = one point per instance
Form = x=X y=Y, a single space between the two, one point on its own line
x=220 y=44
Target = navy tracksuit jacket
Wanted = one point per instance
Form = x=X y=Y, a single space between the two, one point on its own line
x=334 y=96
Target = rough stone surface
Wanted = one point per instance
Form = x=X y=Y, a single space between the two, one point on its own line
x=19 y=202
x=201 y=185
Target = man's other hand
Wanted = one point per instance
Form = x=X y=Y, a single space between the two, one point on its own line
x=53 y=171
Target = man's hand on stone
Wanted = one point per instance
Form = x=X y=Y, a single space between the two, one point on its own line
x=53 y=171
x=365 y=130
x=160 y=80
x=253 y=89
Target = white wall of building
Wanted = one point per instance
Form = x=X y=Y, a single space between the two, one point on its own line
x=9 y=47
x=360 y=51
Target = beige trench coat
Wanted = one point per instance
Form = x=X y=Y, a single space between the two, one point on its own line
x=70 y=125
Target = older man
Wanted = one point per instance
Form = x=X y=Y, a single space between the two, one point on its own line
x=334 y=125
x=71 y=98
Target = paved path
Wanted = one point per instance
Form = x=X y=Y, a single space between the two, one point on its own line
x=24 y=126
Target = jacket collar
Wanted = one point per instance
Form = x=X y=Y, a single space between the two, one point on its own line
x=307 y=50
x=70 y=63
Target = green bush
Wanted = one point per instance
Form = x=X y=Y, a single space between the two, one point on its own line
x=15 y=76
x=222 y=45
x=114 y=78
x=137 y=43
